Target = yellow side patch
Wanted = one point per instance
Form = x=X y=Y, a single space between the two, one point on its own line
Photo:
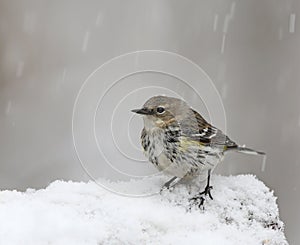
x=187 y=143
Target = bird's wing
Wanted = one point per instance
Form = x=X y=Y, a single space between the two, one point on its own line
x=203 y=132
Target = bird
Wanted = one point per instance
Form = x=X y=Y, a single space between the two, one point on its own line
x=180 y=142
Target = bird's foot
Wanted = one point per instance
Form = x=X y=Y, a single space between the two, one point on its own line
x=207 y=192
x=170 y=184
x=166 y=187
x=197 y=201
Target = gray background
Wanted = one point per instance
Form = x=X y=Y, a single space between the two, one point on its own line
x=48 y=48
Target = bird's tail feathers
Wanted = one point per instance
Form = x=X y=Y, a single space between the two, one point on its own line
x=245 y=150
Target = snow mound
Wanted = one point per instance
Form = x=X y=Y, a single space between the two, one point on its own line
x=243 y=211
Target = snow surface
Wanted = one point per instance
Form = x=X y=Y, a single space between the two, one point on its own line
x=243 y=211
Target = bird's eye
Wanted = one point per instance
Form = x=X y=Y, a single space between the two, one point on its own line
x=160 y=110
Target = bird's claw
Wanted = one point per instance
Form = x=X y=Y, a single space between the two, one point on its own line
x=198 y=200
x=168 y=185
x=165 y=188
x=207 y=192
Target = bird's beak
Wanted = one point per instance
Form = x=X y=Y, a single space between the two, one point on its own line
x=143 y=111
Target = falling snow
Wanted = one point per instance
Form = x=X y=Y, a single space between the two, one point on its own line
x=226 y=23
x=228 y=18
x=216 y=18
x=232 y=9
x=292 y=23
x=8 y=107
x=63 y=76
x=223 y=43
x=263 y=165
x=85 y=41
x=61 y=81
x=99 y=19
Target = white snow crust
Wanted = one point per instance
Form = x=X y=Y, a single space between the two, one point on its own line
x=243 y=211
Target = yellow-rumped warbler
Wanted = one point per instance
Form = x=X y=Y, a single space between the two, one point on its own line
x=180 y=142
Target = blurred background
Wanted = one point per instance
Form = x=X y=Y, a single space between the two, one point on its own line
x=250 y=49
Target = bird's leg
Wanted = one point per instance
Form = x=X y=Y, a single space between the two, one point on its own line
x=207 y=187
x=170 y=183
x=199 y=199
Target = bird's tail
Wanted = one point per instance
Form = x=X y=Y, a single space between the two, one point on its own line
x=245 y=150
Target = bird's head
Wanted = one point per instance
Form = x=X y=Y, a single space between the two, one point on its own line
x=161 y=111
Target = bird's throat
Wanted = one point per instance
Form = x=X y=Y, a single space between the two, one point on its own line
x=153 y=124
